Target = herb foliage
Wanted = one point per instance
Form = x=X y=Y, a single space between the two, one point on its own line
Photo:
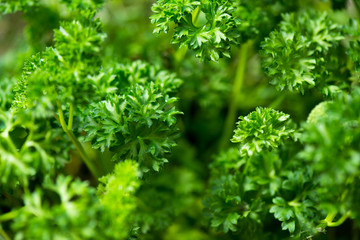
x=118 y=119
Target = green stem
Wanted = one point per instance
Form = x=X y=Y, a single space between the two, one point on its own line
x=180 y=55
x=294 y=203
x=236 y=94
x=71 y=117
x=340 y=221
x=276 y=103
x=9 y=215
x=3 y=234
x=244 y=174
x=61 y=117
x=94 y=171
x=247 y=165
x=11 y=145
x=14 y=150
x=330 y=217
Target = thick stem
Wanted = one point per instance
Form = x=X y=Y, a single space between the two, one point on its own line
x=94 y=171
x=235 y=96
x=340 y=221
x=330 y=217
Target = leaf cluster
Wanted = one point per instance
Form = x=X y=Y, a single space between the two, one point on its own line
x=67 y=93
x=297 y=54
x=210 y=27
x=69 y=209
x=89 y=121
x=261 y=130
x=138 y=120
x=291 y=181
